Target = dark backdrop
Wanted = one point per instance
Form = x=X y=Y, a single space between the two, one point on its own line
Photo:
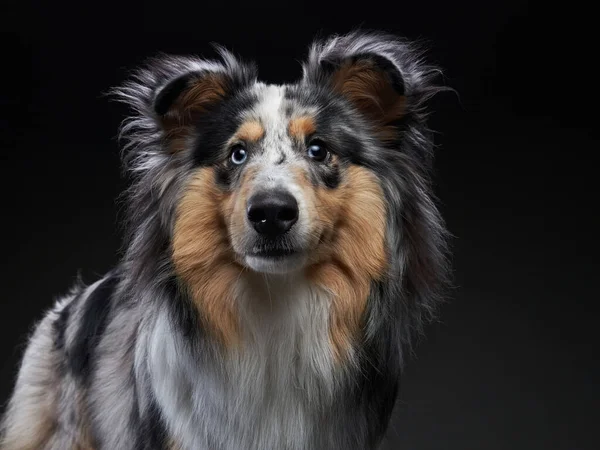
x=511 y=364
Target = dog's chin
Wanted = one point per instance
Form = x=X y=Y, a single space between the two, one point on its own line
x=276 y=262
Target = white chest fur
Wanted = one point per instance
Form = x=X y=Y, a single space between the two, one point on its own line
x=266 y=395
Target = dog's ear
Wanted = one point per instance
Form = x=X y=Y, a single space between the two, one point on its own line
x=371 y=83
x=170 y=94
x=189 y=93
x=380 y=75
x=183 y=100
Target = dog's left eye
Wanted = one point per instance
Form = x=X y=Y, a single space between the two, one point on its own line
x=239 y=155
x=317 y=151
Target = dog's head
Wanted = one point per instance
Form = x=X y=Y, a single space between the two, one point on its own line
x=326 y=177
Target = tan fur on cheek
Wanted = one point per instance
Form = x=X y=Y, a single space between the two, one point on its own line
x=318 y=221
x=235 y=206
x=355 y=255
x=202 y=254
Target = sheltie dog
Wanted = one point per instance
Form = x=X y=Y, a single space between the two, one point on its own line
x=283 y=252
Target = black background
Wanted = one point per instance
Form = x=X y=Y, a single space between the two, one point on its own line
x=512 y=363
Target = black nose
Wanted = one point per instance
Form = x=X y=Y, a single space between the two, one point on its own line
x=272 y=213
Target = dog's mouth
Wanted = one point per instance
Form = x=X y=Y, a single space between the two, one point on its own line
x=273 y=253
x=275 y=259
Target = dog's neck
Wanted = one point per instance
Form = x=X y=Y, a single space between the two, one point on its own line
x=284 y=358
x=268 y=295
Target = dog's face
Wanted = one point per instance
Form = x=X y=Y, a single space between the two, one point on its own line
x=276 y=187
x=326 y=178
x=281 y=184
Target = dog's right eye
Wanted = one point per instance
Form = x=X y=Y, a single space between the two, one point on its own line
x=317 y=151
x=238 y=155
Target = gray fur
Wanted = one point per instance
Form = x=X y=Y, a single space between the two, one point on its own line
x=158 y=378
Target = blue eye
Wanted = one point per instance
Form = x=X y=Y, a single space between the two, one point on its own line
x=317 y=151
x=238 y=155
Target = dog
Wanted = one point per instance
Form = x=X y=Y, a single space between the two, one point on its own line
x=283 y=252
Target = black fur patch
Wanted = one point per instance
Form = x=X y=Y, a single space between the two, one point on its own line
x=217 y=126
x=167 y=95
x=93 y=322
x=183 y=313
x=381 y=366
x=331 y=176
x=153 y=433
x=223 y=176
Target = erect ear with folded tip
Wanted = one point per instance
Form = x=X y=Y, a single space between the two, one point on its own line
x=374 y=85
x=182 y=100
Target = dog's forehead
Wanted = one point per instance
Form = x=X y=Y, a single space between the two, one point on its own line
x=271 y=106
x=275 y=111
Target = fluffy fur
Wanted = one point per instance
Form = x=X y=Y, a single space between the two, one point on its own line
x=209 y=335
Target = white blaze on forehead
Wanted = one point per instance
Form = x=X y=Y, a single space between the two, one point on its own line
x=269 y=109
x=270 y=112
